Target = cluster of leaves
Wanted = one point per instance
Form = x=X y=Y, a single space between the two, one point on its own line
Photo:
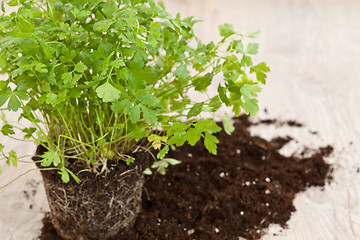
x=95 y=77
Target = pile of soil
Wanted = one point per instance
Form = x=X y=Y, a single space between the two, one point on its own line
x=235 y=194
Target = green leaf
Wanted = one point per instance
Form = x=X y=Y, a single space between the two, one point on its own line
x=252 y=48
x=215 y=103
x=226 y=30
x=40 y=138
x=253 y=34
x=129 y=161
x=163 y=152
x=246 y=60
x=228 y=126
x=179 y=128
x=13 y=3
x=134 y=113
x=203 y=82
x=223 y=96
x=122 y=106
x=162 y=168
x=21 y=94
x=195 y=110
x=29 y=132
x=14 y=103
x=64 y=172
x=139 y=132
x=162 y=164
x=172 y=161
x=117 y=63
x=245 y=92
x=147 y=171
x=254 y=89
x=50 y=157
x=77 y=180
x=103 y=25
x=40 y=67
x=64 y=175
x=4 y=95
x=178 y=139
x=251 y=106
x=156 y=140
x=109 y=8
x=2 y=7
x=144 y=96
x=67 y=77
x=210 y=142
x=1 y=148
x=239 y=47
x=3 y=63
x=82 y=15
x=108 y=93
x=51 y=98
x=193 y=135
x=12 y=158
x=207 y=125
x=246 y=80
x=201 y=59
x=24 y=25
x=149 y=114
x=181 y=71
x=76 y=78
x=80 y=67
x=7 y=130
x=162 y=5
x=260 y=70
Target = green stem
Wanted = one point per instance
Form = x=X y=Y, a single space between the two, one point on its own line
x=23 y=174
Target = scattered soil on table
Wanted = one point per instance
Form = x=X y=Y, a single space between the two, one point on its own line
x=233 y=195
x=290 y=123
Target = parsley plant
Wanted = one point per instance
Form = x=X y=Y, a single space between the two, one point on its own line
x=96 y=77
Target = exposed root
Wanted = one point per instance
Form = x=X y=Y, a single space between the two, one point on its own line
x=82 y=211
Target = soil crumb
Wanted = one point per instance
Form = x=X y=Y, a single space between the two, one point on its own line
x=235 y=194
x=290 y=123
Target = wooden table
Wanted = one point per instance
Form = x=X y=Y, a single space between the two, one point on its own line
x=313 y=49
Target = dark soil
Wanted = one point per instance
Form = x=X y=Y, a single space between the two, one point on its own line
x=237 y=193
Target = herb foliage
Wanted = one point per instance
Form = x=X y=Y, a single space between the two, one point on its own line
x=96 y=77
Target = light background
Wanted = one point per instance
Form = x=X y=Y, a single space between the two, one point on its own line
x=313 y=50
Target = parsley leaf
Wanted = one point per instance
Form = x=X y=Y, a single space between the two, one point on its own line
x=251 y=106
x=226 y=30
x=260 y=69
x=195 y=110
x=210 y=142
x=252 y=48
x=228 y=126
x=181 y=71
x=107 y=92
x=50 y=157
x=134 y=113
x=149 y=114
x=201 y=83
x=80 y=67
x=103 y=26
x=12 y=158
x=7 y=130
x=193 y=135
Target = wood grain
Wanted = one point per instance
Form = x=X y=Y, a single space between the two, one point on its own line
x=313 y=49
